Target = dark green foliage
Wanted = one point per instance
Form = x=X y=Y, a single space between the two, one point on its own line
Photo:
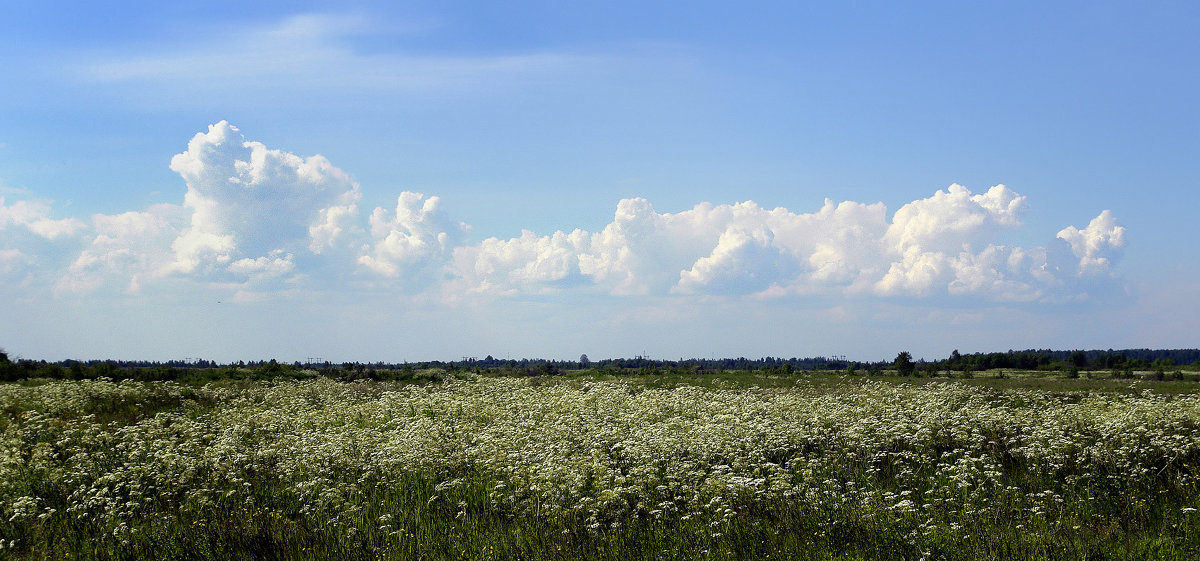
x=1174 y=365
x=52 y=371
x=9 y=371
x=271 y=368
x=903 y=364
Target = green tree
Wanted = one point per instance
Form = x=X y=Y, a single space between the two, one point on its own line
x=1079 y=359
x=903 y=364
x=8 y=369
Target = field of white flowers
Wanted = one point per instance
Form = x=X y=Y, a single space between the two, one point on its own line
x=532 y=468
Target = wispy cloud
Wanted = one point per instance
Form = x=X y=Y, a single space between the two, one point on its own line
x=7 y=190
x=316 y=53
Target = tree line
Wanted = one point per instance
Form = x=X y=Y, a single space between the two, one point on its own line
x=1119 y=362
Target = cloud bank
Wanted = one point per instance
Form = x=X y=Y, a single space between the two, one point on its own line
x=943 y=245
x=258 y=219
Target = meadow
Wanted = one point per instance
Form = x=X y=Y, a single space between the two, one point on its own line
x=593 y=466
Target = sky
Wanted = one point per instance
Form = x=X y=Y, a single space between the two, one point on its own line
x=407 y=181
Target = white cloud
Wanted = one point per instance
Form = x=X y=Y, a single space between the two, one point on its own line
x=128 y=249
x=642 y=251
x=935 y=240
x=416 y=243
x=940 y=245
x=917 y=274
x=1098 y=246
x=707 y=249
x=336 y=229
x=248 y=201
x=260 y=220
x=529 y=263
x=1004 y=273
x=743 y=261
x=262 y=268
x=34 y=216
x=952 y=219
x=34 y=247
x=839 y=244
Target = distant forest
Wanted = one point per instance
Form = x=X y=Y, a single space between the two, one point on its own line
x=1123 y=361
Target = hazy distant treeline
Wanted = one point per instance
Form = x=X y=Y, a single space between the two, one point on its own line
x=202 y=370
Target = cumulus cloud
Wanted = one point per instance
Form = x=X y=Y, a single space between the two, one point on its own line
x=1098 y=245
x=261 y=220
x=932 y=241
x=743 y=261
x=951 y=219
x=840 y=243
x=336 y=229
x=263 y=268
x=642 y=251
x=248 y=202
x=529 y=263
x=34 y=216
x=939 y=245
x=35 y=246
x=248 y=215
x=916 y=273
x=415 y=243
x=732 y=249
x=1003 y=273
x=128 y=249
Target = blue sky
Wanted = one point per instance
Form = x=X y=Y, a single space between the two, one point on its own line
x=410 y=181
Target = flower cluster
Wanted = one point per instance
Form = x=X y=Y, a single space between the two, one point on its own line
x=939 y=457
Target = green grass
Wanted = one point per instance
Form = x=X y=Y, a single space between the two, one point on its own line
x=1007 y=379
x=583 y=466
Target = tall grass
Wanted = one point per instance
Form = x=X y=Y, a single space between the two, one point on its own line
x=595 y=469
